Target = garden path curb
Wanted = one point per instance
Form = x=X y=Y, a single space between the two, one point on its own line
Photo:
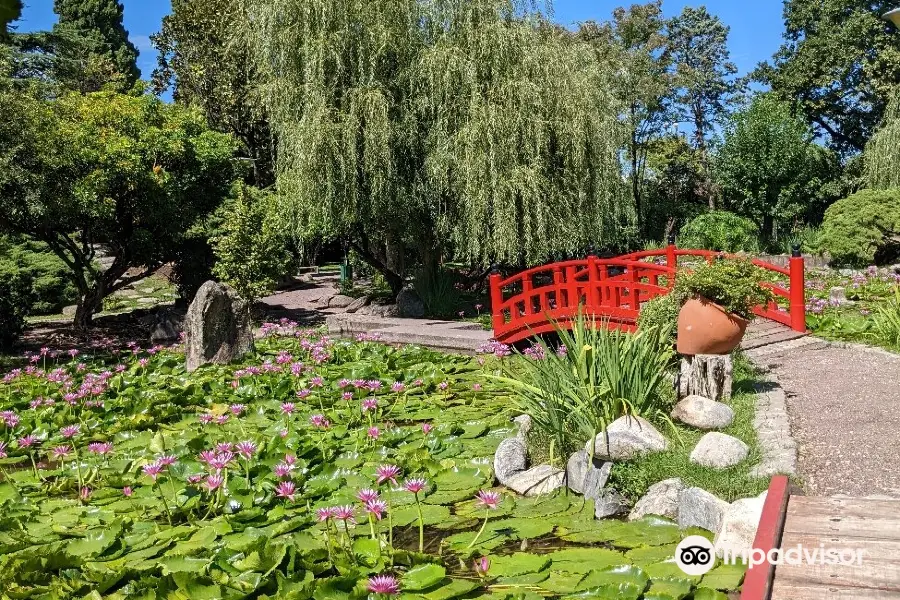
x=773 y=430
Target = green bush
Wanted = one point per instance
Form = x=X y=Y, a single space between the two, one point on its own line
x=661 y=313
x=720 y=230
x=51 y=283
x=437 y=290
x=731 y=283
x=858 y=226
x=886 y=323
x=15 y=300
x=602 y=375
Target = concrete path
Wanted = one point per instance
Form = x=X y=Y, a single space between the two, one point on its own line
x=844 y=407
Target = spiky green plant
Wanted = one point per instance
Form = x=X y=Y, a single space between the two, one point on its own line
x=886 y=322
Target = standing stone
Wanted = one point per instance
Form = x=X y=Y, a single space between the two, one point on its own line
x=217 y=326
x=509 y=458
x=739 y=526
x=703 y=413
x=585 y=476
x=536 y=481
x=661 y=499
x=409 y=304
x=524 y=423
x=609 y=503
x=699 y=508
x=625 y=438
x=707 y=375
x=719 y=451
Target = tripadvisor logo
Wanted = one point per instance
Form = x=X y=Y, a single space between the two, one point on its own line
x=695 y=555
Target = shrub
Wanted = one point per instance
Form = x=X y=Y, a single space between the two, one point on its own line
x=15 y=300
x=51 y=283
x=733 y=284
x=597 y=376
x=661 y=313
x=857 y=227
x=720 y=230
x=438 y=292
x=886 y=323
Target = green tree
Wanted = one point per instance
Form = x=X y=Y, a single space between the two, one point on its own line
x=102 y=39
x=838 y=65
x=769 y=168
x=10 y=10
x=705 y=84
x=635 y=40
x=203 y=62
x=882 y=156
x=250 y=254
x=119 y=174
x=473 y=128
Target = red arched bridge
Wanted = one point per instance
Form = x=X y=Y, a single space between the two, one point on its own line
x=614 y=289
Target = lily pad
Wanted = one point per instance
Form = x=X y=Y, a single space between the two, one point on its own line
x=668 y=589
x=518 y=564
x=422 y=577
x=724 y=577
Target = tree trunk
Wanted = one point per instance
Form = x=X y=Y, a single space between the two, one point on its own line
x=89 y=303
x=707 y=375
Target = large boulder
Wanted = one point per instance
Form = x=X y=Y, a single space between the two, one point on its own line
x=510 y=458
x=739 y=524
x=703 y=413
x=585 y=476
x=358 y=304
x=340 y=301
x=719 y=451
x=409 y=304
x=625 y=438
x=524 y=423
x=699 y=508
x=661 y=499
x=609 y=503
x=167 y=328
x=217 y=326
x=536 y=481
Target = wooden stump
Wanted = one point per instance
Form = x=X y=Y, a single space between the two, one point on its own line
x=707 y=375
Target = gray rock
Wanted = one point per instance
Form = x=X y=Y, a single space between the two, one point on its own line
x=719 y=451
x=340 y=301
x=167 y=328
x=739 y=525
x=703 y=413
x=358 y=304
x=69 y=311
x=609 y=503
x=699 y=508
x=837 y=295
x=585 y=476
x=510 y=458
x=536 y=481
x=661 y=499
x=379 y=310
x=524 y=423
x=409 y=305
x=625 y=438
x=217 y=326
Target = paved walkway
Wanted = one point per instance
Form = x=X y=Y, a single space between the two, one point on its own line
x=844 y=407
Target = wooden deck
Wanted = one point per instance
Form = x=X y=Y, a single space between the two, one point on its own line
x=870 y=526
x=763 y=332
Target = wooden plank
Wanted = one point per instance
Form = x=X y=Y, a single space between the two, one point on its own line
x=875 y=550
x=783 y=334
x=798 y=591
x=872 y=575
x=845 y=517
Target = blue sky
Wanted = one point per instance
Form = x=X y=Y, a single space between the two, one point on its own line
x=755 y=26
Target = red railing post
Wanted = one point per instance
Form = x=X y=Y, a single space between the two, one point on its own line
x=798 y=291
x=497 y=320
x=671 y=260
x=593 y=292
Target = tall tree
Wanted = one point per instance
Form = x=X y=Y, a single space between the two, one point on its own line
x=471 y=128
x=205 y=63
x=10 y=10
x=838 y=65
x=97 y=24
x=636 y=41
x=882 y=156
x=770 y=169
x=705 y=81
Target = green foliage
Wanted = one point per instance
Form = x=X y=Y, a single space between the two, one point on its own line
x=733 y=284
x=15 y=300
x=128 y=172
x=720 y=230
x=602 y=375
x=838 y=66
x=99 y=24
x=886 y=322
x=857 y=227
x=51 y=284
x=661 y=313
x=475 y=128
x=10 y=10
x=437 y=289
x=882 y=155
x=770 y=169
x=250 y=254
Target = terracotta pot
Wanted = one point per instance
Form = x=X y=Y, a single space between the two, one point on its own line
x=704 y=327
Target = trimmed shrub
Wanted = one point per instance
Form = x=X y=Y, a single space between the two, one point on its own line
x=662 y=313
x=720 y=230
x=15 y=301
x=860 y=228
x=49 y=277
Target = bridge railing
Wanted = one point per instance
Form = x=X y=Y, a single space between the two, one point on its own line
x=526 y=303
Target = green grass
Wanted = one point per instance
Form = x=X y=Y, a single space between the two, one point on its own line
x=633 y=478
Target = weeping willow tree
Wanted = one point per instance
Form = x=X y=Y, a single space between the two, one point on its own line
x=882 y=154
x=435 y=128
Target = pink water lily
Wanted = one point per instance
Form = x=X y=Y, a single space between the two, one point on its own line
x=367 y=495
x=482 y=565
x=488 y=499
x=387 y=473
x=376 y=508
x=214 y=482
x=384 y=584
x=282 y=470
x=415 y=485
x=374 y=433
x=101 y=448
x=320 y=421
x=246 y=449
x=323 y=514
x=153 y=470
x=426 y=428
x=344 y=513
x=286 y=489
x=70 y=431
x=61 y=452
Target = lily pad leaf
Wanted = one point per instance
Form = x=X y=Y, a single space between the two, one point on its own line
x=668 y=589
x=453 y=589
x=422 y=577
x=708 y=594
x=622 y=591
x=518 y=564
x=614 y=576
x=95 y=542
x=724 y=577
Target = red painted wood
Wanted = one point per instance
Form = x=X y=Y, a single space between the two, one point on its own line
x=588 y=284
x=758 y=580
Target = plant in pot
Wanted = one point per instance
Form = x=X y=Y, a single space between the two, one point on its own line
x=718 y=305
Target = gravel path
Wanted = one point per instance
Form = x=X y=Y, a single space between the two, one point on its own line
x=844 y=408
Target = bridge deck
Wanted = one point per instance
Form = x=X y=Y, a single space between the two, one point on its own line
x=763 y=332
x=872 y=526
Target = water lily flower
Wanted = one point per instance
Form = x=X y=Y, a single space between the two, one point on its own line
x=320 y=421
x=384 y=584
x=101 y=448
x=426 y=428
x=206 y=456
x=221 y=461
x=304 y=393
x=290 y=459
x=323 y=514
x=85 y=494
x=73 y=352
x=287 y=408
x=153 y=470
x=237 y=409
x=206 y=418
x=488 y=499
x=61 y=452
x=376 y=508
x=214 y=482
x=369 y=404
x=286 y=489
x=476 y=387
x=347 y=396
x=344 y=513
x=246 y=449
x=479 y=306
x=127 y=491
x=222 y=419
x=167 y=460
x=367 y=495
x=387 y=473
x=343 y=383
x=443 y=385
x=398 y=386
x=374 y=433
x=28 y=441
x=282 y=470
x=70 y=431
x=224 y=447
x=195 y=479
x=482 y=565
x=415 y=485
x=317 y=381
